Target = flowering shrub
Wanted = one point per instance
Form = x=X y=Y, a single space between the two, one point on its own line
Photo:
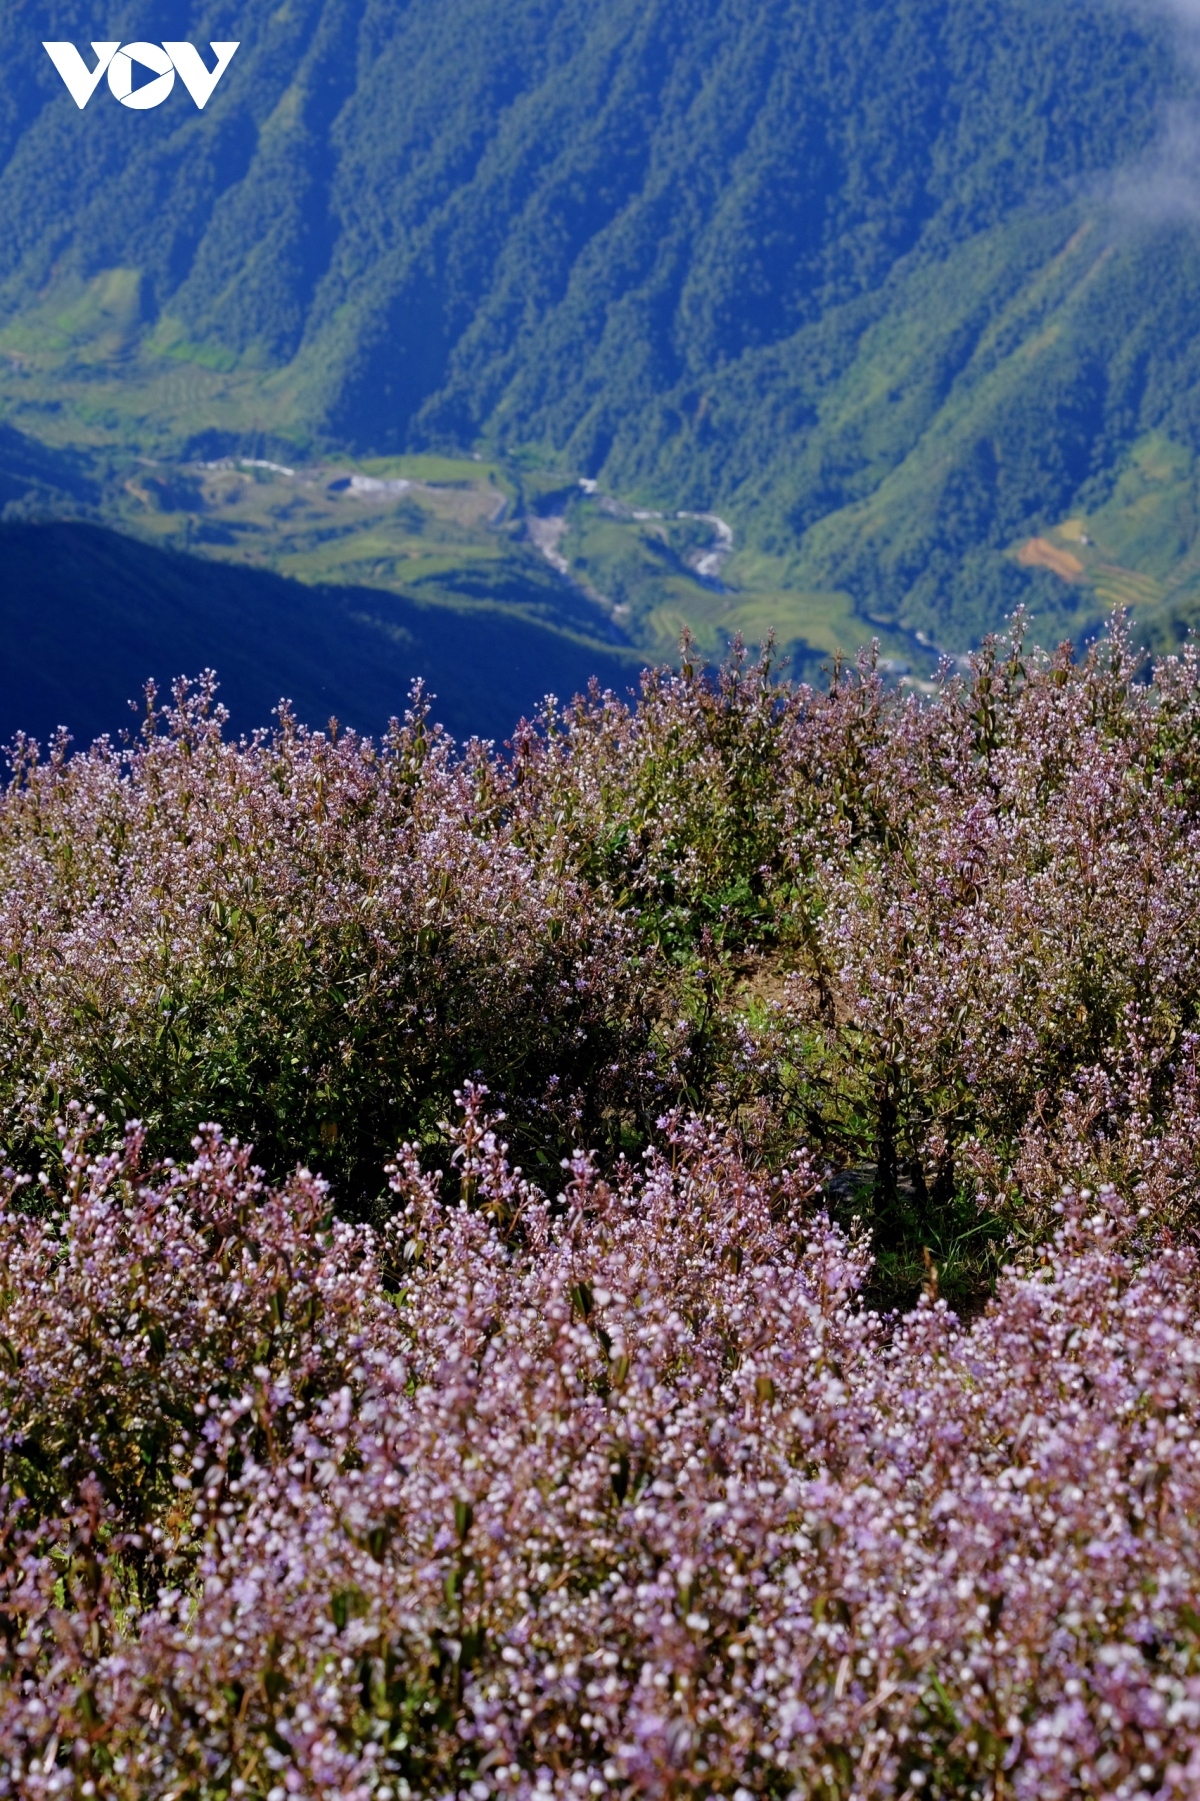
x=150 y=1307
x=312 y=938
x=680 y=805
x=621 y=1493
x=1009 y=885
x=910 y=933
x=604 y=1476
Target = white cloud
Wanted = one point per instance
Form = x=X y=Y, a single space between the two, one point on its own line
x=1163 y=186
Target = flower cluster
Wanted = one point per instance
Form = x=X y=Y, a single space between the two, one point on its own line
x=915 y=934
x=601 y=1474
x=1009 y=902
x=918 y=926
x=310 y=937
x=623 y=1492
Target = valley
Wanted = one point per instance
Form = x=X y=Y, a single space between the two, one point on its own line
x=805 y=325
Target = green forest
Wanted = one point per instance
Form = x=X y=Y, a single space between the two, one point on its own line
x=878 y=286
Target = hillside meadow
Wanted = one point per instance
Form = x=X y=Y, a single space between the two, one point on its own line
x=654 y=1260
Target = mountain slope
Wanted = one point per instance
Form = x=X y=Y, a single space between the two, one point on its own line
x=845 y=272
x=86 y=616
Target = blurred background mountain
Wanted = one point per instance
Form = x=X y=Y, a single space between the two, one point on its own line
x=832 y=317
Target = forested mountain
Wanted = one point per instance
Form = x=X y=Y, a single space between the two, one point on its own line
x=865 y=278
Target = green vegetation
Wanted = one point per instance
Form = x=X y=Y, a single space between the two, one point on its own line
x=851 y=278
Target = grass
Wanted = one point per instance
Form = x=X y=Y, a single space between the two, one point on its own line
x=952 y=1251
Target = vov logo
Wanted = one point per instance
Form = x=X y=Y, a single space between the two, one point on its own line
x=164 y=61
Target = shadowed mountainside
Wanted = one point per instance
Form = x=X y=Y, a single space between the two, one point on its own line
x=86 y=615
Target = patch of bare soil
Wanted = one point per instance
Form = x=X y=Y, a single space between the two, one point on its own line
x=1039 y=553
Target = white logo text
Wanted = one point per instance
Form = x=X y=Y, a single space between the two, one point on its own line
x=163 y=61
